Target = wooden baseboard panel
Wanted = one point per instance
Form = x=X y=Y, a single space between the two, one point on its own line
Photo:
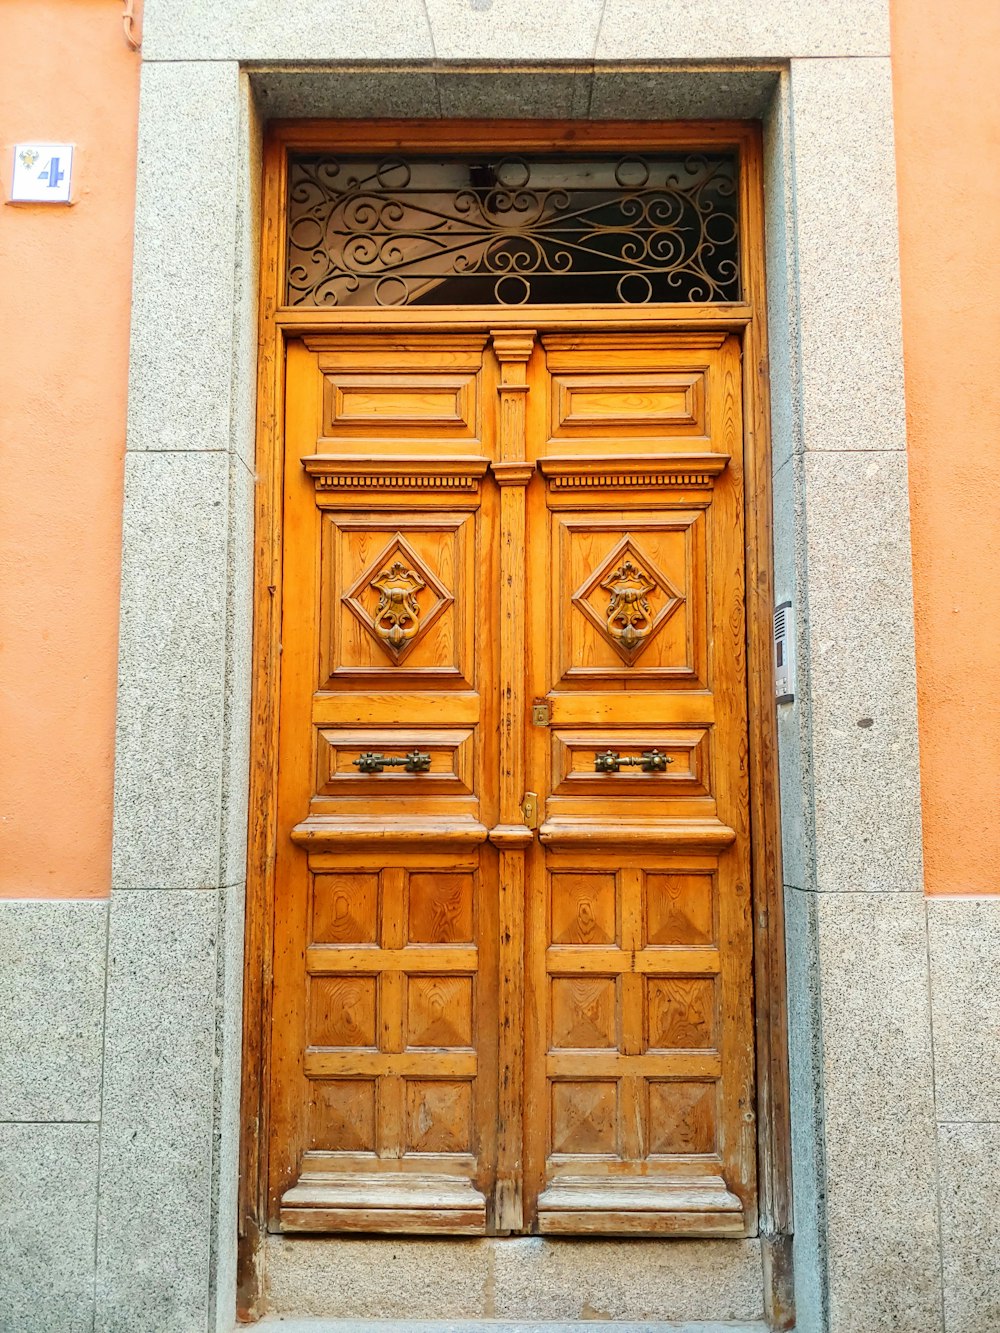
x=394 y=1202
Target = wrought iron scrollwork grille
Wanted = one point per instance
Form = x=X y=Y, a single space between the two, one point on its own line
x=513 y=230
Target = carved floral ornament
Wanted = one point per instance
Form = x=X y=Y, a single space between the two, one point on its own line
x=397 y=616
x=638 y=599
x=629 y=618
x=400 y=617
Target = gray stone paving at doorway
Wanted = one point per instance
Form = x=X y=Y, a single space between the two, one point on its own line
x=293 y=1325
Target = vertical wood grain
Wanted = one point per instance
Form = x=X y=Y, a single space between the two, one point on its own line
x=512 y=350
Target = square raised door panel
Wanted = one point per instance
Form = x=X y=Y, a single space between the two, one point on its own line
x=680 y=908
x=438 y=1116
x=680 y=1013
x=342 y=1011
x=682 y=1118
x=439 y=1012
x=344 y=909
x=583 y=1013
x=583 y=908
x=629 y=599
x=441 y=907
x=584 y=1118
x=395 y=598
x=342 y=1115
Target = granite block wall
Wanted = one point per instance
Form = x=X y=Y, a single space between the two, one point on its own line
x=52 y=982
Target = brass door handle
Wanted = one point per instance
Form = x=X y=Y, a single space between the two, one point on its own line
x=650 y=761
x=372 y=761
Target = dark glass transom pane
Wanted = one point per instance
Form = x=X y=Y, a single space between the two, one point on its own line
x=512 y=230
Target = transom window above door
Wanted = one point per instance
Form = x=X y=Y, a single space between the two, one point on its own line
x=512 y=230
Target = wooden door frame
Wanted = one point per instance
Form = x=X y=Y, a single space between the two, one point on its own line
x=748 y=318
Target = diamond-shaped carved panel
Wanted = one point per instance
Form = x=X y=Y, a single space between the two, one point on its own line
x=397 y=598
x=628 y=599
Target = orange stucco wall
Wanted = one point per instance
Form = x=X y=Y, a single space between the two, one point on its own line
x=66 y=76
x=947 y=105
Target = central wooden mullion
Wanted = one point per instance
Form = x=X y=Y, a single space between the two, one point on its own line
x=392 y=1002
x=631 y=1090
x=511 y=835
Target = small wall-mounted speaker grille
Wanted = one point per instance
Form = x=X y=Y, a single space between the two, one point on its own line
x=784 y=653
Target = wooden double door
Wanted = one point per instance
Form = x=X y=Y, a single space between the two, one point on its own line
x=512 y=931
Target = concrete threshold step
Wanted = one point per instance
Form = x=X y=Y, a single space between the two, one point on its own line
x=291 y=1324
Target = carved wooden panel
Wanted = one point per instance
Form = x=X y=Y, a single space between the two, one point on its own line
x=629 y=597
x=398 y=395
x=685 y=752
x=440 y=908
x=629 y=403
x=394 y=1024
x=345 y=908
x=584 y=1118
x=583 y=907
x=342 y=1115
x=680 y=1014
x=449 y=755
x=683 y=1118
x=396 y=597
x=680 y=908
x=439 y=1117
x=342 y=1011
x=400 y=404
x=630 y=392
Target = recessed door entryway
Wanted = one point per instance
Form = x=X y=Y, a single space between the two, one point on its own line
x=515 y=949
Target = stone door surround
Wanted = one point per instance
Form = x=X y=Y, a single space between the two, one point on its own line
x=818 y=77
